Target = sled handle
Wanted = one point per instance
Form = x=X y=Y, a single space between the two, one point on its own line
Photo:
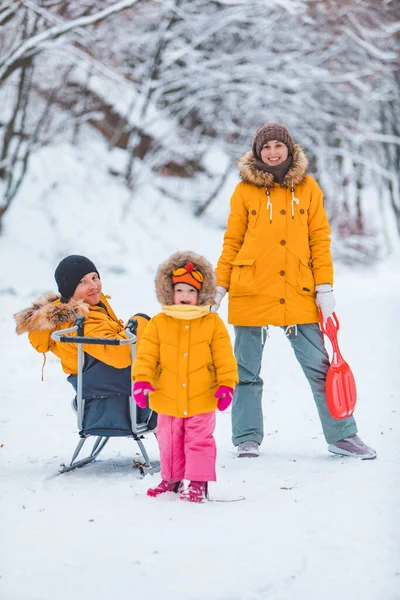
x=59 y=336
x=330 y=329
x=331 y=326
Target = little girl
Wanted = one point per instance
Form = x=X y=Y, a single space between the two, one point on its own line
x=185 y=361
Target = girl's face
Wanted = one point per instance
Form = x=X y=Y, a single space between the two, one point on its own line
x=185 y=294
x=89 y=289
x=274 y=153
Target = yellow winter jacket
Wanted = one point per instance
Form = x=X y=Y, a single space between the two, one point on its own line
x=185 y=353
x=48 y=314
x=276 y=247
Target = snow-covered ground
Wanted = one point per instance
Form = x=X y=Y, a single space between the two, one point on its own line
x=312 y=525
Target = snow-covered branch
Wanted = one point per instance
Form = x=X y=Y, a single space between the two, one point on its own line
x=33 y=45
x=7 y=11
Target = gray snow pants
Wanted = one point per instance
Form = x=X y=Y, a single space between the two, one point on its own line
x=308 y=346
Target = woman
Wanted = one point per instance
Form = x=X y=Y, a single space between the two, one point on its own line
x=276 y=264
x=107 y=369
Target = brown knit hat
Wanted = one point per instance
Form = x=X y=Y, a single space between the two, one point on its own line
x=271 y=131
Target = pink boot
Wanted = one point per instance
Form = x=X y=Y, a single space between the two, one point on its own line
x=197 y=491
x=165 y=486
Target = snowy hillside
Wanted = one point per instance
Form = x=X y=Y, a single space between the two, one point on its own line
x=311 y=525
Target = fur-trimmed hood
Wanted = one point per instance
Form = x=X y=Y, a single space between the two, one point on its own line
x=47 y=312
x=249 y=172
x=165 y=288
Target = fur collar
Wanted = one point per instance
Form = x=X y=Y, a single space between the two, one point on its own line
x=295 y=176
x=164 y=287
x=47 y=312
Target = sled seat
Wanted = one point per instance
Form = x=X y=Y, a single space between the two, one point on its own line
x=104 y=415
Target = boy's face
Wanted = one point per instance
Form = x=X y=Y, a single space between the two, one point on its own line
x=89 y=289
x=185 y=294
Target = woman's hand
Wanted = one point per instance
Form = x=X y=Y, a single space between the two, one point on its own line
x=220 y=293
x=325 y=300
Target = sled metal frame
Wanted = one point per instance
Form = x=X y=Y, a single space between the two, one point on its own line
x=139 y=430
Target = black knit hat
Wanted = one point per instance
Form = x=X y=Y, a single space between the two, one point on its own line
x=271 y=131
x=69 y=273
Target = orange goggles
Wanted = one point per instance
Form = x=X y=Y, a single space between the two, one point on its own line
x=188 y=274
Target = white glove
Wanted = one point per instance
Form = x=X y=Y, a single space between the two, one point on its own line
x=324 y=299
x=221 y=291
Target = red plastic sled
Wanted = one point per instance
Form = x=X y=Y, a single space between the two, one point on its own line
x=341 y=391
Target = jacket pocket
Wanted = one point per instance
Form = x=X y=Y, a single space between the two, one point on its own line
x=243 y=278
x=305 y=280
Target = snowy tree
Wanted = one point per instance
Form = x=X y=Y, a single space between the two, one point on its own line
x=31 y=83
x=166 y=81
x=358 y=97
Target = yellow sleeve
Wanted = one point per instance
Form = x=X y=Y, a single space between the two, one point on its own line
x=223 y=357
x=233 y=238
x=320 y=240
x=148 y=355
x=41 y=340
x=119 y=357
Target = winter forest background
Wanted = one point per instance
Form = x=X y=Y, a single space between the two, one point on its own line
x=178 y=87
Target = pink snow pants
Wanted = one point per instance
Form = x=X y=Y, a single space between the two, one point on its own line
x=187 y=447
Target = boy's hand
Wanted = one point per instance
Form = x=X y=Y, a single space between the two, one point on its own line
x=140 y=392
x=225 y=396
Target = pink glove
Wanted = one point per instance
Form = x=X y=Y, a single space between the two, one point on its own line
x=225 y=396
x=140 y=392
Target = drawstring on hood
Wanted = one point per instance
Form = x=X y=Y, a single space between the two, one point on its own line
x=270 y=207
x=269 y=204
x=44 y=364
x=294 y=200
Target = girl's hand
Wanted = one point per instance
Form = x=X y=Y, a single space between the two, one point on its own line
x=141 y=390
x=225 y=396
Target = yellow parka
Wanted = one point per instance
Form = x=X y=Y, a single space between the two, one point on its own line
x=185 y=353
x=276 y=247
x=48 y=314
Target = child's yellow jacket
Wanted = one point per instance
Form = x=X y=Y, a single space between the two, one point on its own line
x=185 y=357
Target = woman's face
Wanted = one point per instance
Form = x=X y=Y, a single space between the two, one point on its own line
x=89 y=289
x=274 y=153
x=185 y=294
